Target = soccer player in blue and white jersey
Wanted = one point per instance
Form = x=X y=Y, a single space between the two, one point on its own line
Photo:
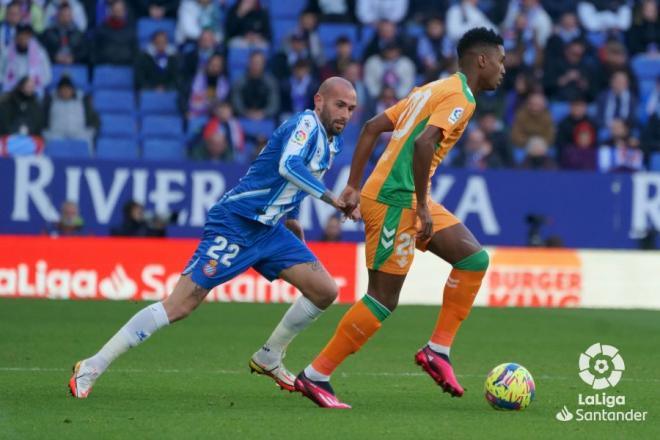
x=244 y=230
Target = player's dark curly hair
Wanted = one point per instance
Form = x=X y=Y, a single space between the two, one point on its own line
x=477 y=37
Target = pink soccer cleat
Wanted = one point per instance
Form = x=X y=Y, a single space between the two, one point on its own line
x=320 y=393
x=439 y=368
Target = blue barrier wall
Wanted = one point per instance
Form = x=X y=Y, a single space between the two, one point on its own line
x=586 y=210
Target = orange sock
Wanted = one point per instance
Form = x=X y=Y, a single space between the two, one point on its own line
x=460 y=290
x=361 y=321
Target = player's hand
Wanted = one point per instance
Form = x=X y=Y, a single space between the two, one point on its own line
x=425 y=229
x=351 y=198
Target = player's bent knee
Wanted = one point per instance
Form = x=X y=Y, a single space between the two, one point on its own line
x=477 y=262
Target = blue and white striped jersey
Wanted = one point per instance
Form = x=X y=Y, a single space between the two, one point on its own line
x=288 y=168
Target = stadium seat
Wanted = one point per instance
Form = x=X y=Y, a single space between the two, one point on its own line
x=329 y=32
x=118 y=125
x=237 y=61
x=559 y=110
x=114 y=101
x=286 y=9
x=77 y=72
x=162 y=127
x=116 y=148
x=147 y=26
x=646 y=67
x=69 y=148
x=163 y=149
x=113 y=77
x=282 y=27
x=195 y=126
x=655 y=162
x=158 y=103
x=253 y=127
x=519 y=155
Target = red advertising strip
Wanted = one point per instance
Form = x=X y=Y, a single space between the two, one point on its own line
x=140 y=269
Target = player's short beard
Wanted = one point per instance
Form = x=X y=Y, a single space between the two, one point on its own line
x=327 y=121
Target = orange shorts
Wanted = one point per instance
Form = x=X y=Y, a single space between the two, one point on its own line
x=390 y=234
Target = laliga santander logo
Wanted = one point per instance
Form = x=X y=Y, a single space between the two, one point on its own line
x=601 y=366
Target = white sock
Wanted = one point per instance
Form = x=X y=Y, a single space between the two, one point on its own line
x=299 y=316
x=142 y=325
x=314 y=375
x=442 y=349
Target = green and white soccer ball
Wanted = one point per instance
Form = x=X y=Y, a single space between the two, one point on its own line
x=509 y=387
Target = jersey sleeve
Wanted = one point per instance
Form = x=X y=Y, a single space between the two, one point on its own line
x=393 y=113
x=449 y=110
x=300 y=143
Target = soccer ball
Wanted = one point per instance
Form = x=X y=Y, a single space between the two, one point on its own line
x=509 y=387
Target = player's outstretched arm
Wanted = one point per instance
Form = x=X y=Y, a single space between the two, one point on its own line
x=422 y=157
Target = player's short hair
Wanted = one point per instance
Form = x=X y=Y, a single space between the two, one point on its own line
x=475 y=37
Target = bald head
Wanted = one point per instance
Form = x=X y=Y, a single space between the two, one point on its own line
x=335 y=102
x=335 y=84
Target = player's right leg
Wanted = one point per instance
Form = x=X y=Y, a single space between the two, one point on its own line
x=187 y=295
x=389 y=247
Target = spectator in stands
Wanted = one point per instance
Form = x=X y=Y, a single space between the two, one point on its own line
x=556 y=8
x=617 y=102
x=387 y=34
x=69 y=114
x=567 y=30
x=298 y=93
x=134 y=223
x=621 y=152
x=390 y=68
x=521 y=45
x=295 y=49
x=605 y=15
x=21 y=119
x=209 y=84
x=248 y=25
x=371 y=11
x=644 y=35
x=197 y=58
x=333 y=10
x=194 y=16
x=533 y=120
x=576 y=124
x=308 y=24
x=12 y=18
x=157 y=66
x=523 y=85
x=343 y=57
x=353 y=73
x=64 y=42
x=571 y=75
x=614 y=58
x=477 y=153
x=31 y=12
x=435 y=52
x=493 y=129
x=420 y=10
x=76 y=9
x=463 y=16
x=70 y=223
x=332 y=229
x=26 y=57
x=256 y=94
x=222 y=137
x=538 y=155
x=535 y=22
x=115 y=40
x=650 y=142
x=158 y=9
x=580 y=153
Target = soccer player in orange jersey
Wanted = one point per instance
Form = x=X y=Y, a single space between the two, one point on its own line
x=400 y=216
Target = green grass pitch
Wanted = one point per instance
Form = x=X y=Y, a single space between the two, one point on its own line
x=191 y=380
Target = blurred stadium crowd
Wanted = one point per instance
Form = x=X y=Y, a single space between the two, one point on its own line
x=211 y=79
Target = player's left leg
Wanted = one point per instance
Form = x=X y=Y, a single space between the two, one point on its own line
x=292 y=261
x=455 y=244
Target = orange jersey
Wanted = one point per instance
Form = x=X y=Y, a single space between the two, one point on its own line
x=447 y=104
